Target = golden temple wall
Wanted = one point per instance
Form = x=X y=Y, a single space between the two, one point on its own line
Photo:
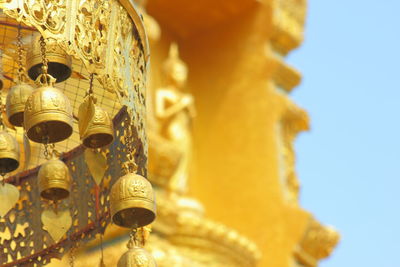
x=235 y=174
x=243 y=168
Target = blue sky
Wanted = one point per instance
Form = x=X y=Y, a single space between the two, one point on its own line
x=349 y=163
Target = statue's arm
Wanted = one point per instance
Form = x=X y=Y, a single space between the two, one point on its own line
x=179 y=104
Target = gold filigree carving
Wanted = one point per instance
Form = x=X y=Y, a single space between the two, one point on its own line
x=317 y=243
x=288 y=20
x=103 y=36
x=294 y=120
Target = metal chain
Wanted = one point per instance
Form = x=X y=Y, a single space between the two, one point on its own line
x=72 y=255
x=133 y=242
x=49 y=149
x=45 y=62
x=19 y=47
x=90 y=91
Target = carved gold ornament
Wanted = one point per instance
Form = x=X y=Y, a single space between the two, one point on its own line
x=9 y=195
x=56 y=223
x=54 y=180
x=80 y=37
x=97 y=164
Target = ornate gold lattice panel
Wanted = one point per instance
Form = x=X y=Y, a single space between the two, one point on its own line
x=104 y=39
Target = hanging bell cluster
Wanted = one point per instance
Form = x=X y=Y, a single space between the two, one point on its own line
x=59 y=62
x=132 y=205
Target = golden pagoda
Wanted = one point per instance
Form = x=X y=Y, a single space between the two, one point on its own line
x=220 y=128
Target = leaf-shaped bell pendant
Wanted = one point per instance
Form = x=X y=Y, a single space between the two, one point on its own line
x=136 y=257
x=54 y=180
x=59 y=62
x=98 y=131
x=48 y=115
x=15 y=103
x=9 y=153
x=132 y=202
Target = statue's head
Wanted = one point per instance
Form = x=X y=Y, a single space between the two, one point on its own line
x=175 y=70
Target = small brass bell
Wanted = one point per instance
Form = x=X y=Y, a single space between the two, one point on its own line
x=59 y=62
x=54 y=180
x=132 y=201
x=9 y=153
x=48 y=115
x=100 y=131
x=15 y=103
x=136 y=257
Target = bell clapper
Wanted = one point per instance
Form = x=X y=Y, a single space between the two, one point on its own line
x=133 y=240
x=3 y=178
x=55 y=205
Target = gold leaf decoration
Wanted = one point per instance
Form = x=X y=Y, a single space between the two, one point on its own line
x=56 y=224
x=97 y=164
x=9 y=195
x=85 y=114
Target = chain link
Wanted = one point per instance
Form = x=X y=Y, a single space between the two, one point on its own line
x=45 y=66
x=133 y=241
x=19 y=47
x=49 y=149
x=72 y=255
x=90 y=91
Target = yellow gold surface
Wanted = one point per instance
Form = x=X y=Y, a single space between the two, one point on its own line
x=54 y=180
x=234 y=160
x=56 y=223
x=59 y=62
x=15 y=104
x=9 y=195
x=132 y=201
x=99 y=131
x=48 y=115
x=9 y=152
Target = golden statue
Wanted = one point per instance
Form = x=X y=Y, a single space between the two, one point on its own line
x=175 y=109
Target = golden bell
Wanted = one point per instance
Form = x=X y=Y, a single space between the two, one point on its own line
x=136 y=257
x=54 y=180
x=15 y=103
x=59 y=62
x=48 y=116
x=100 y=131
x=9 y=153
x=132 y=201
